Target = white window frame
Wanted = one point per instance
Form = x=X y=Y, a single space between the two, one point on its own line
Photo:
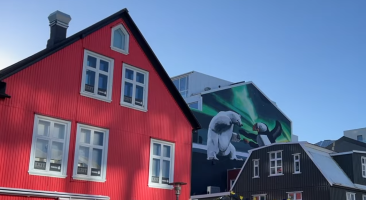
x=255 y=165
x=288 y=195
x=363 y=166
x=275 y=167
x=297 y=161
x=171 y=171
x=134 y=83
x=193 y=99
x=66 y=141
x=363 y=197
x=349 y=196
x=257 y=196
x=102 y=178
x=127 y=39
x=186 y=89
x=97 y=71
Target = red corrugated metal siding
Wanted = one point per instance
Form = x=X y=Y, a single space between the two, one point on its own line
x=51 y=87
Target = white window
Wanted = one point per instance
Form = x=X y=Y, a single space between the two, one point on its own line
x=350 y=196
x=363 y=163
x=50 y=147
x=259 y=197
x=255 y=168
x=134 y=87
x=275 y=159
x=182 y=85
x=97 y=76
x=91 y=151
x=295 y=195
x=363 y=197
x=296 y=163
x=120 y=39
x=161 y=164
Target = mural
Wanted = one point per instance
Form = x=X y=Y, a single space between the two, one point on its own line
x=239 y=119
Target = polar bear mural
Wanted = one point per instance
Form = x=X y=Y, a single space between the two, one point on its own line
x=220 y=134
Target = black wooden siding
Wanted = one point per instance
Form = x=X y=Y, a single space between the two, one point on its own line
x=357 y=168
x=310 y=181
x=337 y=193
x=346 y=163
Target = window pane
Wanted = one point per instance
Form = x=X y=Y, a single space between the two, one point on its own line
x=85 y=136
x=279 y=170
x=119 y=39
x=362 y=160
x=297 y=166
x=184 y=93
x=166 y=151
x=155 y=171
x=140 y=77
x=156 y=149
x=166 y=170
x=279 y=162
x=298 y=196
x=256 y=172
x=43 y=128
x=89 y=81
x=56 y=156
x=256 y=162
x=272 y=156
x=183 y=84
x=176 y=83
x=139 y=96
x=291 y=196
x=41 y=154
x=272 y=163
x=102 y=85
x=273 y=170
x=129 y=74
x=98 y=138
x=58 y=131
x=128 y=93
x=96 y=164
x=193 y=105
x=83 y=160
x=103 y=65
x=92 y=62
x=279 y=155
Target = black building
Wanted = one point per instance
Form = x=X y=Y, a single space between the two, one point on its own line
x=346 y=144
x=300 y=171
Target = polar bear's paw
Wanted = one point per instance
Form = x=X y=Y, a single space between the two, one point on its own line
x=212 y=158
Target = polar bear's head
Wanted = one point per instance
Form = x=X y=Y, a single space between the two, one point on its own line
x=235 y=118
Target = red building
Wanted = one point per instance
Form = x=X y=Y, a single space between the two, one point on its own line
x=93 y=116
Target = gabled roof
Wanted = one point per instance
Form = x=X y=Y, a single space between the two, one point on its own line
x=123 y=14
x=341 y=145
x=322 y=158
x=324 y=143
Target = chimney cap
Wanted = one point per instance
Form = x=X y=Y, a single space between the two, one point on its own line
x=59 y=16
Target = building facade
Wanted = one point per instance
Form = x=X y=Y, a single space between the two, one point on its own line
x=93 y=116
x=356 y=134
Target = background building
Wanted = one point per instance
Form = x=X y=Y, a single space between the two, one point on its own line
x=356 y=134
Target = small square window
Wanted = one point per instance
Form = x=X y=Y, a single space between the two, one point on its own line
x=120 y=39
x=134 y=87
x=295 y=195
x=97 y=76
x=161 y=164
x=182 y=85
x=91 y=148
x=350 y=196
x=50 y=147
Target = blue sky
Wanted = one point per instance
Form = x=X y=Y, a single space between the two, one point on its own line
x=307 y=56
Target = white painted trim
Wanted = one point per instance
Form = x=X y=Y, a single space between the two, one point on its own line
x=171 y=159
x=275 y=160
x=49 y=194
x=127 y=39
x=294 y=155
x=259 y=195
x=352 y=194
x=342 y=153
x=204 y=147
x=209 y=195
x=363 y=197
x=134 y=83
x=65 y=142
x=103 y=170
x=363 y=165
x=182 y=75
x=295 y=192
x=97 y=71
x=276 y=175
x=254 y=166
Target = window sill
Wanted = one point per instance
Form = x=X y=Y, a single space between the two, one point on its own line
x=256 y=177
x=119 y=50
x=46 y=174
x=297 y=173
x=88 y=179
x=275 y=175
x=133 y=107
x=161 y=186
x=94 y=97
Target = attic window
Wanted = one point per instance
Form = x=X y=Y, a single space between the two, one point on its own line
x=120 y=39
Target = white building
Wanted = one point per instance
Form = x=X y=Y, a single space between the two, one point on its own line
x=356 y=134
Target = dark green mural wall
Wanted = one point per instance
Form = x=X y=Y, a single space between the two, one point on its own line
x=252 y=106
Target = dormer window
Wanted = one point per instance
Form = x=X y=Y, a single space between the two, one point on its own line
x=120 y=39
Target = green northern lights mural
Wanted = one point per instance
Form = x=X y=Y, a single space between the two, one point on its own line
x=257 y=114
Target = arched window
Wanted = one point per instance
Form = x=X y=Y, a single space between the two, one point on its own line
x=120 y=39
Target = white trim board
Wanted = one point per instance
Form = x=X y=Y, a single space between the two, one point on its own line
x=49 y=194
